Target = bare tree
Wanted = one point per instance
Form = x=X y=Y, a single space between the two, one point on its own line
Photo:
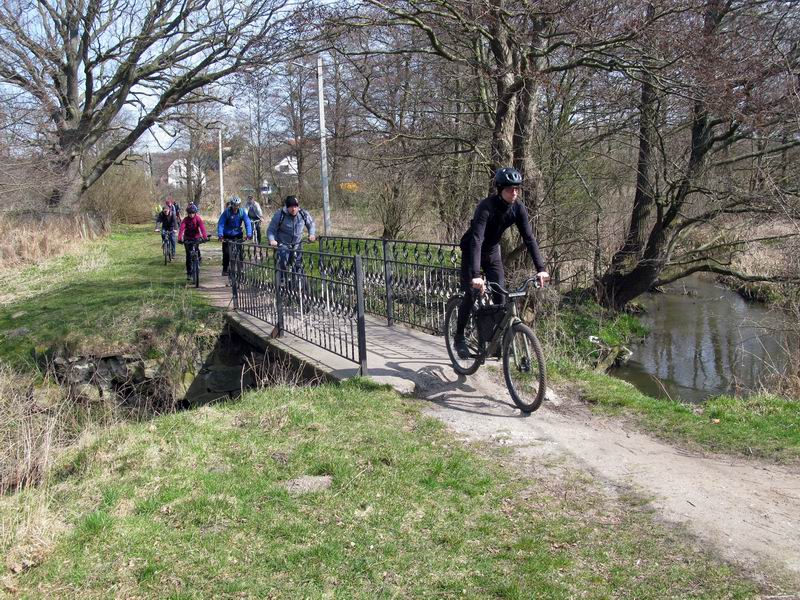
x=713 y=121
x=83 y=64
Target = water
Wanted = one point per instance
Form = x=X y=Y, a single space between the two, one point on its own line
x=704 y=340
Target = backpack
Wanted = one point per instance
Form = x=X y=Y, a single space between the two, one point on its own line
x=303 y=215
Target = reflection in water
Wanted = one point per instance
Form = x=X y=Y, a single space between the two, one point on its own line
x=704 y=340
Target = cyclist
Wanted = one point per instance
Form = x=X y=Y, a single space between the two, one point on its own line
x=192 y=229
x=286 y=230
x=174 y=207
x=233 y=225
x=480 y=246
x=255 y=213
x=169 y=225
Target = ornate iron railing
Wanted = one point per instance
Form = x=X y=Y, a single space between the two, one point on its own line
x=316 y=296
x=404 y=281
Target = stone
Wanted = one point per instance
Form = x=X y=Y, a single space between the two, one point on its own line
x=307 y=484
x=18 y=332
x=151 y=367
x=552 y=398
x=87 y=393
x=404 y=387
x=18 y=314
x=225 y=379
x=80 y=372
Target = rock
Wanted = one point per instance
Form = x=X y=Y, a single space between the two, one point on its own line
x=118 y=368
x=308 y=483
x=47 y=396
x=225 y=379
x=80 y=371
x=552 y=398
x=404 y=387
x=151 y=367
x=18 y=314
x=87 y=393
x=18 y=332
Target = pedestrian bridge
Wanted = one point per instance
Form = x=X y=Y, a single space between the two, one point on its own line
x=351 y=306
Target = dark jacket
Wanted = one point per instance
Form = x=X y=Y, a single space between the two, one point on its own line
x=168 y=222
x=492 y=217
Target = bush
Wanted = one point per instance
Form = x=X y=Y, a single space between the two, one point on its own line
x=125 y=194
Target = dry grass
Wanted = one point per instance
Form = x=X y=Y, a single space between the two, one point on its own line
x=31 y=238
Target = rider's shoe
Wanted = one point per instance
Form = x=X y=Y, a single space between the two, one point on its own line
x=460 y=345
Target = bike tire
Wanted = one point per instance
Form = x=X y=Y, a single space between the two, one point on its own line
x=167 y=254
x=526 y=370
x=196 y=272
x=462 y=366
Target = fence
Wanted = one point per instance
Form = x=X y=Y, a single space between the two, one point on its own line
x=405 y=281
x=316 y=296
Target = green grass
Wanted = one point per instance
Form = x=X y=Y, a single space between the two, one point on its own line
x=193 y=505
x=764 y=426
x=115 y=292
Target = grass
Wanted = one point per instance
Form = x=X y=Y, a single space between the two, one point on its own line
x=194 y=505
x=762 y=426
x=111 y=294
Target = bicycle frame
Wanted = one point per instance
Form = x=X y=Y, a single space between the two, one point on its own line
x=510 y=318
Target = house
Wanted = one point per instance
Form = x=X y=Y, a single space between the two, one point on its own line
x=287 y=166
x=177 y=173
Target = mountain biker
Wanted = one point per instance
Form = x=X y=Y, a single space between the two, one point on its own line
x=169 y=225
x=174 y=207
x=192 y=229
x=286 y=230
x=255 y=213
x=233 y=225
x=480 y=246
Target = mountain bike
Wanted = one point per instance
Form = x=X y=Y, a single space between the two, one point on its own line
x=194 y=259
x=493 y=327
x=166 y=246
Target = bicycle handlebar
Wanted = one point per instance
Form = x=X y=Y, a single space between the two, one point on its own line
x=521 y=290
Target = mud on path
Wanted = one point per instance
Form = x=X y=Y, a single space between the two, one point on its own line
x=747 y=511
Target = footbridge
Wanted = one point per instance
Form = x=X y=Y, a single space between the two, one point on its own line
x=351 y=306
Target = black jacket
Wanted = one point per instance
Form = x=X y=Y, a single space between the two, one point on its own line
x=168 y=221
x=492 y=217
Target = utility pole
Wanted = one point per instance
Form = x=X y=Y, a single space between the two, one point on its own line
x=323 y=152
x=221 y=186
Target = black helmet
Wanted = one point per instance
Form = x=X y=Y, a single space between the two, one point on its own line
x=291 y=201
x=507 y=177
x=192 y=208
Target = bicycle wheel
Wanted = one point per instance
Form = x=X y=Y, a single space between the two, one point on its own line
x=166 y=251
x=195 y=270
x=462 y=366
x=523 y=367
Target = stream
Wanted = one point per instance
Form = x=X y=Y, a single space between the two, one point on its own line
x=704 y=340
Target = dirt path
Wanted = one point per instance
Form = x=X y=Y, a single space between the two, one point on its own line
x=748 y=511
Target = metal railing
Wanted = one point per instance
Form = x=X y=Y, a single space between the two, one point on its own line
x=316 y=296
x=405 y=281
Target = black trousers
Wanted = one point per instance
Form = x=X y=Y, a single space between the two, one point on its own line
x=257 y=231
x=492 y=267
x=226 y=249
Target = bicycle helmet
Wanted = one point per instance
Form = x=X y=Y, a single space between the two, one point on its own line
x=235 y=201
x=507 y=177
x=191 y=209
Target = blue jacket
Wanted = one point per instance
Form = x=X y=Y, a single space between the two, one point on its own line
x=230 y=223
x=287 y=229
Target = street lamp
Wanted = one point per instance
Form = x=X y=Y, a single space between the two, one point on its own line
x=323 y=152
x=221 y=186
x=323 y=149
